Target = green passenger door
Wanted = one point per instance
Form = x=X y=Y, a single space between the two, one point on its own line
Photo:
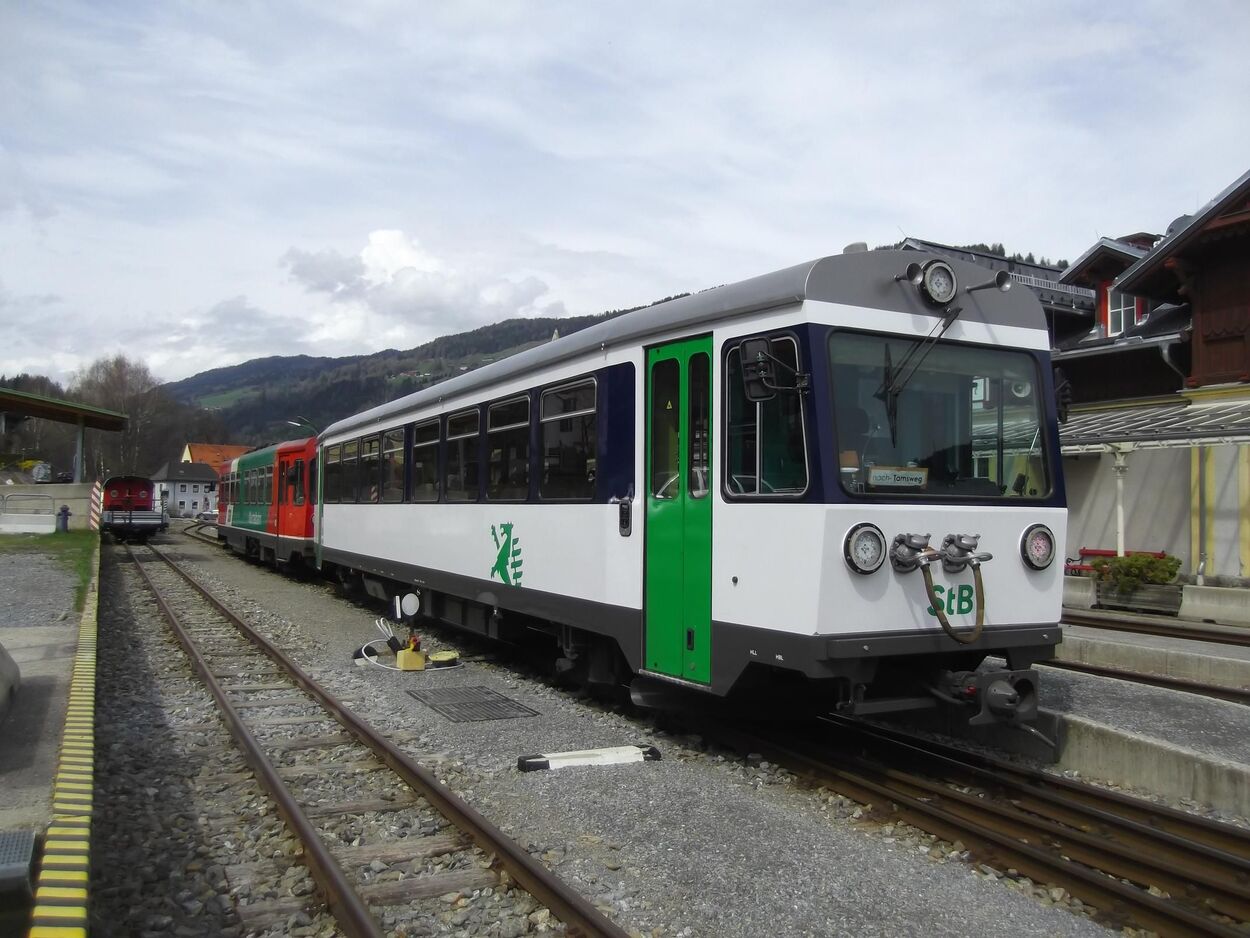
x=678 y=593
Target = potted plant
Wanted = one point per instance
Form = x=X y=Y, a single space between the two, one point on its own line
x=1144 y=582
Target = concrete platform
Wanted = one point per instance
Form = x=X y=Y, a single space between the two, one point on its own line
x=30 y=734
x=47 y=738
x=1151 y=740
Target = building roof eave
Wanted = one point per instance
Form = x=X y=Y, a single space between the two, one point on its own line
x=1103 y=246
x=1131 y=344
x=1134 y=280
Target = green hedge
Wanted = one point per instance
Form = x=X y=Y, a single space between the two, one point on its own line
x=1129 y=572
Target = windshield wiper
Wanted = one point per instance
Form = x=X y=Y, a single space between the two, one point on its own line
x=893 y=381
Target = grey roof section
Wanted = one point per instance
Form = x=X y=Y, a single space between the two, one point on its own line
x=866 y=279
x=1175 y=423
x=1132 y=279
x=185 y=472
x=1042 y=279
x=1129 y=252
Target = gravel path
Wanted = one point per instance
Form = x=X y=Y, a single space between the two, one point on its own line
x=698 y=844
x=35 y=589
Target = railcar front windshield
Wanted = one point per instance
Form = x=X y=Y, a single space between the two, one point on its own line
x=954 y=420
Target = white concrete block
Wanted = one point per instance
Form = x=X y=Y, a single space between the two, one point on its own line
x=1220 y=604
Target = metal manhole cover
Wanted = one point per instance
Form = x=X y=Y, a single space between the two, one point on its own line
x=467 y=704
x=17 y=849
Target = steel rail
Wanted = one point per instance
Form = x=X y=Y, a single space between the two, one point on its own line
x=1238 y=695
x=1042 y=862
x=1167 y=866
x=1105 y=806
x=1195 y=632
x=581 y=918
x=344 y=903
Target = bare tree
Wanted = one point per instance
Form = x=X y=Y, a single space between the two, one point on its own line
x=127 y=386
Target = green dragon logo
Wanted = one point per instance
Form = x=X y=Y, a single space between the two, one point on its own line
x=508 y=555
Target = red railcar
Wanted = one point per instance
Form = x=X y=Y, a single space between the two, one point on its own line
x=130 y=508
x=267 y=511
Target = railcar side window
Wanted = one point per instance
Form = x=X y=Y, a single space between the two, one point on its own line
x=962 y=420
x=569 y=439
x=370 y=466
x=425 y=462
x=297 y=497
x=665 y=428
x=765 y=441
x=508 y=443
x=393 y=465
x=333 y=474
x=461 y=482
x=349 y=484
x=700 y=423
x=268 y=483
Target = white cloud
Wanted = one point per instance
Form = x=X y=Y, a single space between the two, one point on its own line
x=395 y=288
x=424 y=170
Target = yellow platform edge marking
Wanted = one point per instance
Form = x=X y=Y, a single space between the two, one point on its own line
x=54 y=894
x=62 y=893
x=63 y=877
x=60 y=913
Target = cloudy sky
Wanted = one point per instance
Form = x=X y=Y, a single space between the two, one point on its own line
x=197 y=184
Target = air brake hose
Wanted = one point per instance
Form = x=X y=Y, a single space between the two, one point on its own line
x=964 y=638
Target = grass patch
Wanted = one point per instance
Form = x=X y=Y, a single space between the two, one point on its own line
x=71 y=548
x=220 y=399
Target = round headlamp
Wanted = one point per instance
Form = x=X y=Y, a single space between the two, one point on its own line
x=864 y=548
x=1037 y=547
x=938 y=283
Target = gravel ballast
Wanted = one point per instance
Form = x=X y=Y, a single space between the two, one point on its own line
x=698 y=843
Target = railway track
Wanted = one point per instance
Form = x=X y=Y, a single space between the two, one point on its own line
x=1194 y=632
x=1239 y=695
x=1136 y=862
x=278 y=692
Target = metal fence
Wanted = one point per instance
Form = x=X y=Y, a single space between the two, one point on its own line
x=21 y=503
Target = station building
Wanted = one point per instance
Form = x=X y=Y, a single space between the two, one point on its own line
x=1157 y=447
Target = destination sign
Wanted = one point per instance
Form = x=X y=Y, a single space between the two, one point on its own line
x=899 y=476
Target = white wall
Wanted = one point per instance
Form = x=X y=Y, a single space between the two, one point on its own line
x=1160 y=506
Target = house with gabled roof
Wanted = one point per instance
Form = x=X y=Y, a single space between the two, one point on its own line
x=187 y=489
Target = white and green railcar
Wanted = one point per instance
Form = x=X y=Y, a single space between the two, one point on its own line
x=839 y=481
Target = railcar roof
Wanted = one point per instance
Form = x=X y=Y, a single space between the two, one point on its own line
x=264 y=454
x=865 y=279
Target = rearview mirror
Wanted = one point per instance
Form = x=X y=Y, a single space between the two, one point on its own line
x=757 y=370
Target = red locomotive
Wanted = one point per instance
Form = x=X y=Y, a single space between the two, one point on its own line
x=131 y=510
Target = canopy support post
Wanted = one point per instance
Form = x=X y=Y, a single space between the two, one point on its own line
x=1121 y=467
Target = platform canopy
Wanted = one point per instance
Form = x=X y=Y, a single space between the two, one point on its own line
x=23 y=404
x=1180 y=422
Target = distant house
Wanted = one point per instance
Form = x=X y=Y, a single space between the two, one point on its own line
x=214 y=454
x=187 y=489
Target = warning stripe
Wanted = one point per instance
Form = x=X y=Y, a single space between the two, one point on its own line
x=97 y=501
x=62 y=888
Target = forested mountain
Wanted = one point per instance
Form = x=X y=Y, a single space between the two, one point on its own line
x=255 y=400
